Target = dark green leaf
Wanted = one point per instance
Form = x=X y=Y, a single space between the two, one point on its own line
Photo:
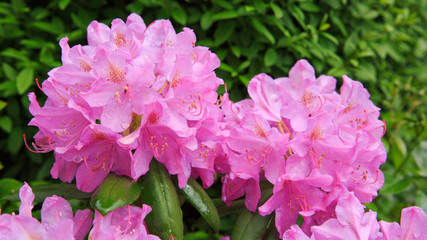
x=298 y=14
x=260 y=6
x=64 y=190
x=263 y=30
x=250 y=226
x=198 y=197
x=9 y=189
x=224 y=4
x=115 y=192
x=159 y=192
x=223 y=31
x=14 y=140
x=62 y=4
x=395 y=186
x=24 y=80
x=206 y=20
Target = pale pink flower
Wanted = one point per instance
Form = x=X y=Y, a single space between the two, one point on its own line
x=413 y=225
x=57 y=221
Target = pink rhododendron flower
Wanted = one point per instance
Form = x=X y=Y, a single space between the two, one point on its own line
x=123 y=223
x=145 y=91
x=413 y=225
x=351 y=222
x=311 y=142
x=57 y=221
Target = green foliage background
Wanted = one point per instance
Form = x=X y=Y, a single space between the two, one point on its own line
x=382 y=43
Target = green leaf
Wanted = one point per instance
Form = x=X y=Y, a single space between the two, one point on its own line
x=250 y=226
x=270 y=57
x=278 y=13
x=159 y=192
x=236 y=51
x=9 y=187
x=179 y=14
x=24 y=80
x=115 y=192
x=395 y=186
x=5 y=121
x=224 y=4
x=330 y=37
x=3 y=104
x=244 y=65
x=14 y=140
x=224 y=15
x=259 y=6
x=223 y=31
x=366 y=73
x=64 y=190
x=263 y=30
x=298 y=14
x=9 y=71
x=309 y=7
x=62 y=4
x=206 y=20
x=198 y=197
x=420 y=157
x=421 y=200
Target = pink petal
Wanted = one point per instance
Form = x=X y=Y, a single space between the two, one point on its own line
x=82 y=223
x=27 y=197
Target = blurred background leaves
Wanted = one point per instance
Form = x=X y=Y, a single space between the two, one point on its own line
x=382 y=43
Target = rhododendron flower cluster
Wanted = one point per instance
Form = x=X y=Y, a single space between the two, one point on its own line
x=312 y=143
x=132 y=93
x=137 y=93
x=352 y=222
x=57 y=221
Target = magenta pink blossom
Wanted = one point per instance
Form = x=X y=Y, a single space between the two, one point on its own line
x=123 y=223
x=145 y=91
x=413 y=224
x=311 y=142
x=57 y=221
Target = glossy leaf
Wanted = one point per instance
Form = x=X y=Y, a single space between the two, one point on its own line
x=250 y=226
x=198 y=197
x=159 y=192
x=115 y=192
